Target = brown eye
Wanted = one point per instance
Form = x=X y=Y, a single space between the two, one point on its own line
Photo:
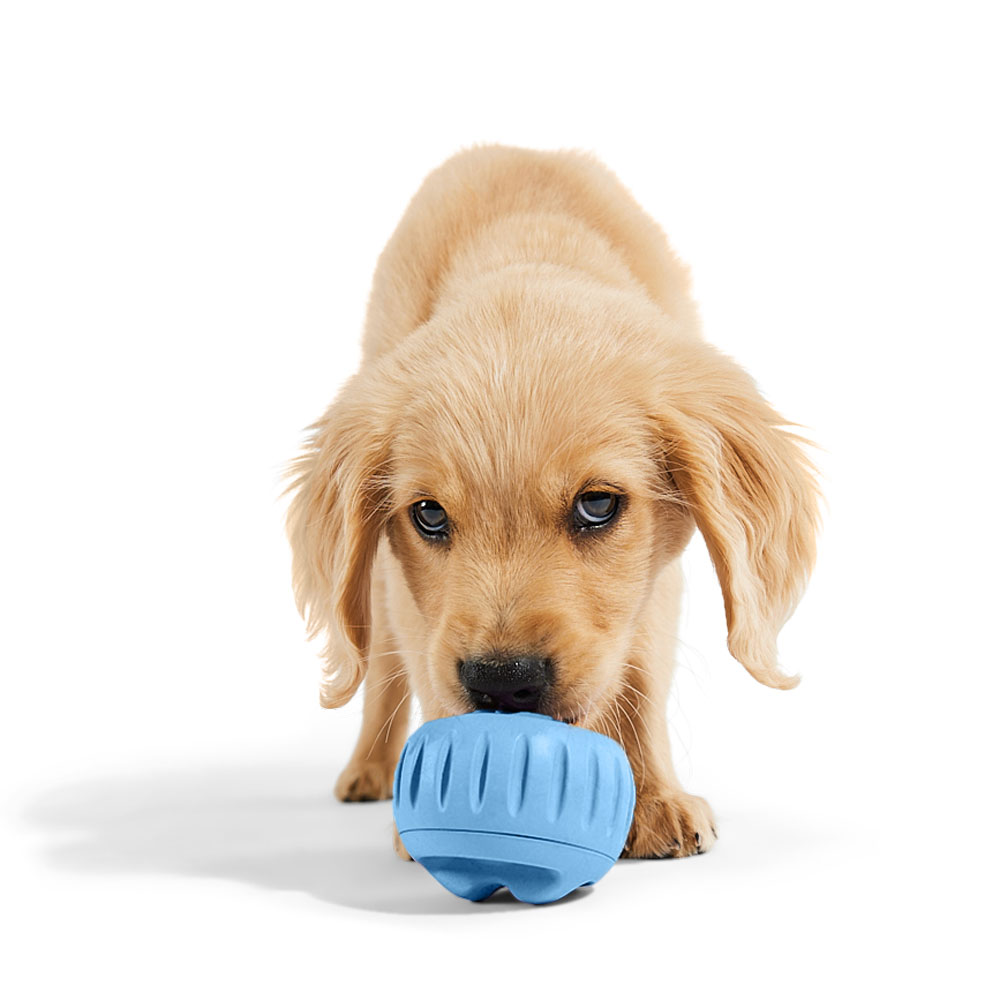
x=595 y=509
x=430 y=519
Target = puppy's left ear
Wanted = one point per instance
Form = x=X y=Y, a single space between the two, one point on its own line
x=753 y=495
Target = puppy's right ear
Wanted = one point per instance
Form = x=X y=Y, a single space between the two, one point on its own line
x=335 y=520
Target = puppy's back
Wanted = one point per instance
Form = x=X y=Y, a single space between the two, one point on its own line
x=476 y=188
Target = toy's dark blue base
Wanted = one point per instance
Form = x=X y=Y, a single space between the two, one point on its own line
x=474 y=865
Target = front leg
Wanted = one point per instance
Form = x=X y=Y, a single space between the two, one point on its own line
x=668 y=822
x=384 y=725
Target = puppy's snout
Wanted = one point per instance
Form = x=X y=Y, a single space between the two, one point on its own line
x=510 y=683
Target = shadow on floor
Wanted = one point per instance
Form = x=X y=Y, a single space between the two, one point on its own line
x=276 y=827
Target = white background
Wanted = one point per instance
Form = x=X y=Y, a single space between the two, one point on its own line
x=193 y=199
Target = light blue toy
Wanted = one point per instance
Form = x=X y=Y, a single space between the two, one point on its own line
x=489 y=799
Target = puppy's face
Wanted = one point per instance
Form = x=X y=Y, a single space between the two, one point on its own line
x=531 y=511
x=534 y=464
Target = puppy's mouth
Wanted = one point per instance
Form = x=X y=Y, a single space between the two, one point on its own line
x=571 y=718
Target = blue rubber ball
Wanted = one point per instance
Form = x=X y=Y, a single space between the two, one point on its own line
x=521 y=800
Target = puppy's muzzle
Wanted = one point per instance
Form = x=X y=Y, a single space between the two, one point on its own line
x=510 y=683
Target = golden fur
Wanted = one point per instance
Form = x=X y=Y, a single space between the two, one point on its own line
x=530 y=335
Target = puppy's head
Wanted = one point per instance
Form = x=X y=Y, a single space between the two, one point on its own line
x=533 y=469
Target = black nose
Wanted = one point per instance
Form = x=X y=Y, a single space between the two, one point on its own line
x=509 y=683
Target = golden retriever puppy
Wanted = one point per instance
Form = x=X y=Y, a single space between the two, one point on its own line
x=492 y=512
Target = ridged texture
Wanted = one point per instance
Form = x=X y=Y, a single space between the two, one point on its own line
x=516 y=776
x=479 y=771
x=445 y=779
x=557 y=790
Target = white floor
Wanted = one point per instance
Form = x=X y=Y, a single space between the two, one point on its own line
x=203 y=853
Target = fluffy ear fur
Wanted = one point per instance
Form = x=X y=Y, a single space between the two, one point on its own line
x=334 y=523
x=752 y=493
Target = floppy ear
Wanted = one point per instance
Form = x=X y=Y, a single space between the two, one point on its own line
x=753 y=496
x=334 y=523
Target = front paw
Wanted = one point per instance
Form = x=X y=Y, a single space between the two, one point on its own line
x=669 y=824
x=365 y=781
